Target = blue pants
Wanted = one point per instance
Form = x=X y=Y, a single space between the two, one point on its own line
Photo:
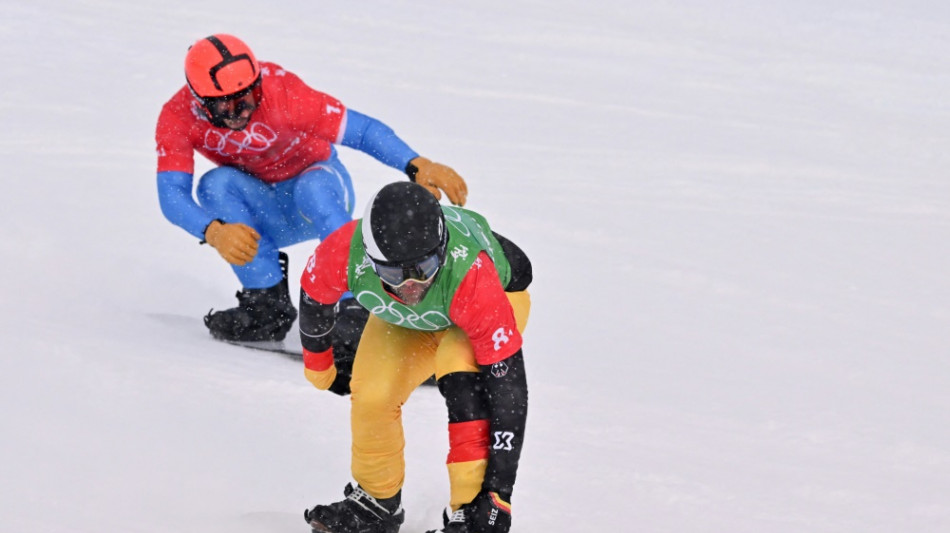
x=309 y=206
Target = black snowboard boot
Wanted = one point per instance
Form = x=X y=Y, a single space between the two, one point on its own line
x=452 y=523
x=358 y=513
x=261 y=314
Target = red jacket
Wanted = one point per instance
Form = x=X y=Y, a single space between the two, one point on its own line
x=292 y=128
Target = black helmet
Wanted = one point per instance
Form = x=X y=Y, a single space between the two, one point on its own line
x=404 y=233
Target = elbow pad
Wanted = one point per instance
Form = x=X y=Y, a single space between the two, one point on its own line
x=316 y=322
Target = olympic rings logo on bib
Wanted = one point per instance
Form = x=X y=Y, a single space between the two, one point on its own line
x=401 y=315
x=256 y=137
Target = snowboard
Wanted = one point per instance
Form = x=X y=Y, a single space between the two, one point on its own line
x=278 y=347
x=296 y=353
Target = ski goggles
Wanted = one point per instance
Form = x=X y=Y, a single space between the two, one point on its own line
x=231 y=107
x=419 y=271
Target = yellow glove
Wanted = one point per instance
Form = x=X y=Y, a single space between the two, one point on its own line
x=321 y=379
x=435 y=176
x=237 y=243
x=319 y=369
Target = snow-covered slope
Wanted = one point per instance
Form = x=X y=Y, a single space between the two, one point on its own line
x=738 y=214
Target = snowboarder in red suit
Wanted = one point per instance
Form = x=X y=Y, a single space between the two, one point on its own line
x=278 y=179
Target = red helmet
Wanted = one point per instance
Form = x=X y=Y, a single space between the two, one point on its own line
x=220 y=65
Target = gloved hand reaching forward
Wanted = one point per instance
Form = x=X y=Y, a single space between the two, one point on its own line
x=435 y=176
x=237 y=243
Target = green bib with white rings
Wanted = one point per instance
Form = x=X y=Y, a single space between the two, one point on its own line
x=469 y=234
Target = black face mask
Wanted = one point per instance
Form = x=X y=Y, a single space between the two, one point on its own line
x=219 y=109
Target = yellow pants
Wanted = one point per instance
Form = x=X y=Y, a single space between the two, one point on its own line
x=390 y=363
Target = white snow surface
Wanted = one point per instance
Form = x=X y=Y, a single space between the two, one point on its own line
x=738 y=214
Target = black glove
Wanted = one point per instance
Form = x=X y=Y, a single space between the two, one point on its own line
x=488 y=513
x=341 y=384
